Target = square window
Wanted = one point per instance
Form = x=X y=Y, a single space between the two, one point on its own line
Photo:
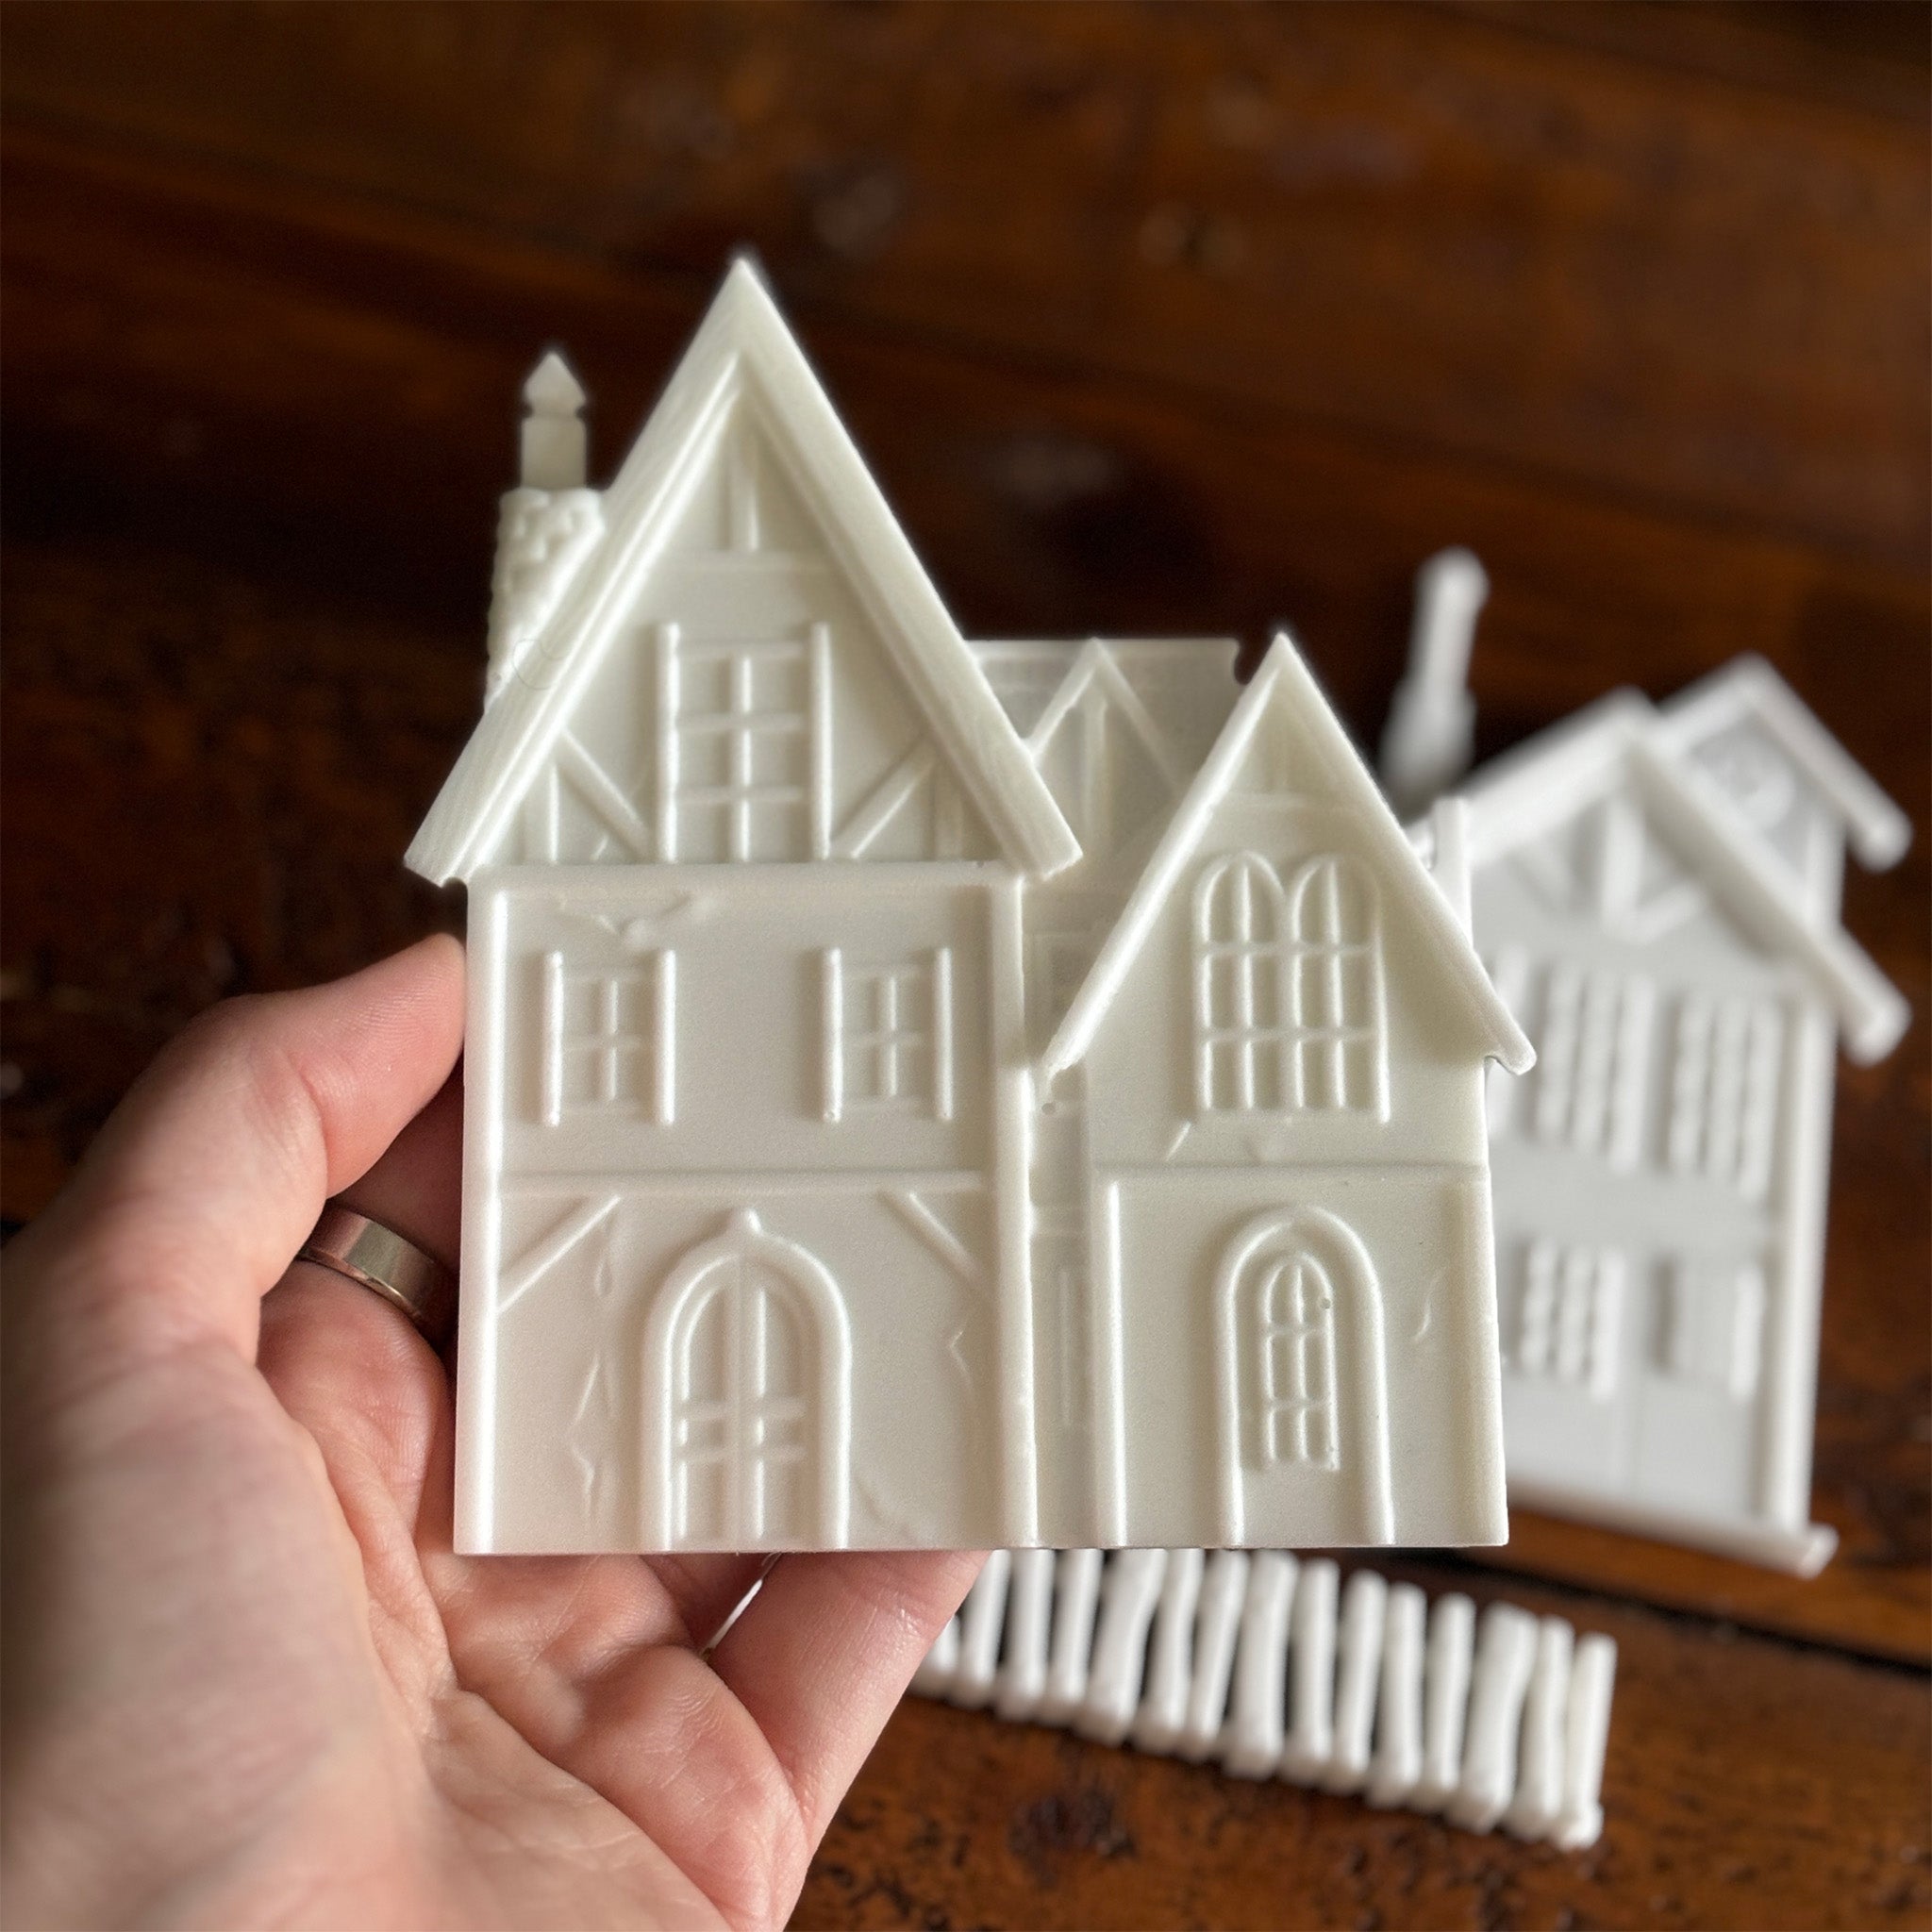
x=607 y=1038
x=741 y=718
x=889 y=1034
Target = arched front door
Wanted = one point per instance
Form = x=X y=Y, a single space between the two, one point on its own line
x=1303 y=1386
x=749 y=1358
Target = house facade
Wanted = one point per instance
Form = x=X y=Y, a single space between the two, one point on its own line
x=1657 y=893
x=927 y=1094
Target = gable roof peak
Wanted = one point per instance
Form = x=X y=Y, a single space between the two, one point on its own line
x=1622 y=742
x=1877 y=832
x=1284 y=679
x=742 y=336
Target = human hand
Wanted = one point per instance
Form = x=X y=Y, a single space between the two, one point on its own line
x=245 y=1681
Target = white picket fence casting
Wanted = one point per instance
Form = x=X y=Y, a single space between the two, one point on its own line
x=1274 y=1667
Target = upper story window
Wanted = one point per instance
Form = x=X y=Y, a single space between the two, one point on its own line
x=743 y=749
x=609 y=1039
x=888 y=1030
x=1288 y=990
x=1592 y=1061
x=1723 y=1091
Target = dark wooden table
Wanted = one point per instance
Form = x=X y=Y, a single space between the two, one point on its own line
x=1196 y=319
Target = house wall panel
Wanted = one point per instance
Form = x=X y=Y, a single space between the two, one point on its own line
x=569 y=1463
x=1177 y=1230
x=747 y=1024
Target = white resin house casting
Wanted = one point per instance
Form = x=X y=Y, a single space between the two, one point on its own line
x=923 y=1093
x=1656 y=892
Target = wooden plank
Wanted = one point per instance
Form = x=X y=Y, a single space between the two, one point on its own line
x=1747 y=1783
x=1463 y=235
x=251 y=434
x=1870 y=1597
x=1873 y=57
x=1515 y=248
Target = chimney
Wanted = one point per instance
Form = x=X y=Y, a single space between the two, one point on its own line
x=553 y=455
x=1431 y=730
x=549 y=524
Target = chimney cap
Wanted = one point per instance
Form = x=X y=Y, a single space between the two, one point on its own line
x=552 y=389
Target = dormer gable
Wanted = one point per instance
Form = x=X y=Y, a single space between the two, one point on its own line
x=1785 y=777
x=1284 y=839
x=1117 y=727
x=1616 y=817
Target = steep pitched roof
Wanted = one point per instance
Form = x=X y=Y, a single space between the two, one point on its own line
x=1164 y=701
x=744 y=343
x=1877 y=832
x=1523 y=792
x=1282 y=678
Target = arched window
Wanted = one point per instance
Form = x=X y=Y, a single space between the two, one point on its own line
x=1288 y=990
x=1239 y=929
x=1294 y=1352
x=749 y=1346
x=1335 y=1007
x=1302 y=1385
x=739 y=1427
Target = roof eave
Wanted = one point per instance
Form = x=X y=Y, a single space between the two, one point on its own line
x=1872 y=1013
x=1504 y=1039
x=742 y=336
x=1878 y=832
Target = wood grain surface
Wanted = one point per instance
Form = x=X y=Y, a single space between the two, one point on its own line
x=1147 y=318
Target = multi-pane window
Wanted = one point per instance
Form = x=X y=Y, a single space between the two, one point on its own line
x=1716 y=1321
x=609 y=1038
x=1569 y=1315
x=1288 y=990
x=743 y=747
x=888 y=1032
x=1592 y=1061
x=1723 y=1091
x=741 y=1420
x=1294 y=1312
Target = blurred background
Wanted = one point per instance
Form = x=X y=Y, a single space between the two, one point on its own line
x=1183 y=319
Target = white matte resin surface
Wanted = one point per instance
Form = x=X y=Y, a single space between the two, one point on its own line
x=1656 y=894
x=930 y=1094
x=1274 y=1666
